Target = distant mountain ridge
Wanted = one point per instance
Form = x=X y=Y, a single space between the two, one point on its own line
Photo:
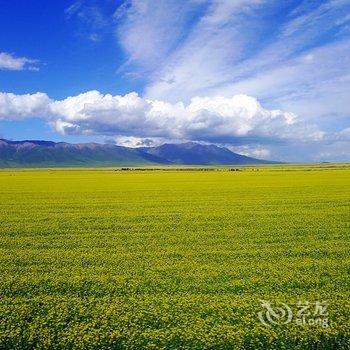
x=192 y=153
x=37 y=153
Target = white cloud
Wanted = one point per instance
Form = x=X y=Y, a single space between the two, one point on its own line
x=204 y=118
x=296 y=61
x=224 y=51
x=239 y=122
x=90 y=19
x=312 y=84
x=205 y=59
x=131 y=141
x=9 y=62
x=254 y=151
x=14 y=106
x=149 y=31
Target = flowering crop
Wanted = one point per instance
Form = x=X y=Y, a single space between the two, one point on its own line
x=102 y=259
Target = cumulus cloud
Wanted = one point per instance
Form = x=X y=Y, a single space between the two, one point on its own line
x=14 y=106
x=207 y=119
x=239 y=122
x=214 y=119
x=9 y=62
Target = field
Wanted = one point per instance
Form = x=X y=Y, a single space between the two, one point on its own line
x=101 y=259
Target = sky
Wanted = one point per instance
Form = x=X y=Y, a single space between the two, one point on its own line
x=265 y=78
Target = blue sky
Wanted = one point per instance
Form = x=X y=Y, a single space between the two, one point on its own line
x=265 y=78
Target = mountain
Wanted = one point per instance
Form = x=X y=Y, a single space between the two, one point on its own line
x=50 y=154
x=33 y=153
x=192 y=153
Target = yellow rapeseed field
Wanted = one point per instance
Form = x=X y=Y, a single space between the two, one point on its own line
x=166 y=259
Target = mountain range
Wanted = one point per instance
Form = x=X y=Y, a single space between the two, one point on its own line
x=33 y=153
